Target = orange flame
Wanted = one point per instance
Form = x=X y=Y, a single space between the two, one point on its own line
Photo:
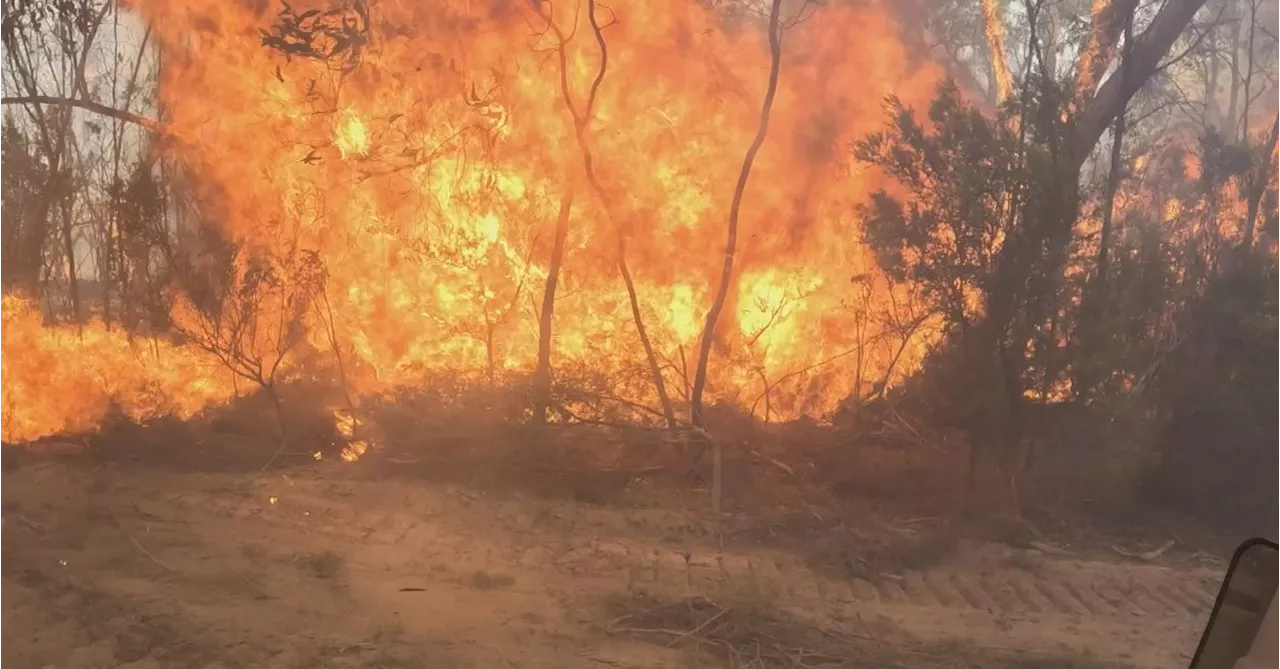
x=993 y=27
x=427 y=180
x=61 y=380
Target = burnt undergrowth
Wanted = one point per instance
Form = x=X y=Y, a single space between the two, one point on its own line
x=878 y=489
x=891 y=480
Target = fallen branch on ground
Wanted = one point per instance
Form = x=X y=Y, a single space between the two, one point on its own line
x=776 y=463
x=1146 y=556
x=148 y=554
x=1049 y=548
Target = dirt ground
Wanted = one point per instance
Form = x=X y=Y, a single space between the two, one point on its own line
x=110 y=563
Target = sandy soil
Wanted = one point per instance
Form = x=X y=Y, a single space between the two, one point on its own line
x=110 y=564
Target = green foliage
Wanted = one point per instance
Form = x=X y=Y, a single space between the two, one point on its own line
x=1218 y=392
x=946 y=226
x=1179 y=349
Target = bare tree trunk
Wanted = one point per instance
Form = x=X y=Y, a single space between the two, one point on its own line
x=581 y=123
x=1145 y=56
x=1106 y=21
x=68 y=246
x=994 y=29
x=668 y=413
x=1233 y=100
x=110 y=222
x=1113 y=176
x=1248 y=72
x=1261 y=174
x=735 y=208
x=542 y=372
x=1050 y=51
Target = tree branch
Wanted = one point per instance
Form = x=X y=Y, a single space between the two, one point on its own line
x=89 y=105
x=1148 y=50
x=1108 y=19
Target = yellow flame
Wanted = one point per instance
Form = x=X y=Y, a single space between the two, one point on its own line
x=350 y=135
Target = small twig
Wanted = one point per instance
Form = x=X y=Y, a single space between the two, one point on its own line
x=776 y=463
x=1147 y=556
x=29 y=523
x=601 y=660
x=148 y=554
x=261 y=593
x=699 y=628
x=1048 y=548
x=412 y=461
x=279 y=452
x=646 y=630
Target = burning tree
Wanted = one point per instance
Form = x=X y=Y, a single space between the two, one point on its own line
x=248 y=311
x=1045 y=306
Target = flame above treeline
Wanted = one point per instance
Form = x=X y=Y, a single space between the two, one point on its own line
x=427 y=178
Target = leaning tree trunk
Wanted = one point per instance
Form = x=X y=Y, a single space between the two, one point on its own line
x=1113 y=96
x=1113 y=176
x=1258 y=187
x=581 y=123
x=542 y=372
x=730 y=246
x=1106 y=23
x=735 y=209
x=1096 y=296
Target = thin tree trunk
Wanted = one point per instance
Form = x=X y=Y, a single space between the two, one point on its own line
x=1104 y=31
x=1050 y=51
x=1248 y=73
x=111 y=222
x=994 y=30
x=735 y=208
x=1113 y=176
x=1261 y=174
x=581 y=124
x=1233 y=100
x=1144 y=61
x=1211 y=114
x=68 y=245
x=668 y=413
x=542 y=372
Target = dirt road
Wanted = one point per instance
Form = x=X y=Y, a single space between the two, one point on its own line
x=106 y=565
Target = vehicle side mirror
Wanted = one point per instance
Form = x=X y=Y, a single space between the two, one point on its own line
x=1242 y=630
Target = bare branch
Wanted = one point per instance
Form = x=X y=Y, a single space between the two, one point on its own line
x=89 y=105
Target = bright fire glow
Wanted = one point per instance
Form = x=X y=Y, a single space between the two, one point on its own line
x=427 y=179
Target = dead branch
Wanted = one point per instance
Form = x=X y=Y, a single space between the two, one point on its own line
x=1145 y=556
x=147 y=553
x=776 y=463
x=89 y=105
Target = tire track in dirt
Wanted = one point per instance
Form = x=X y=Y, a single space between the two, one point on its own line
x=1066 y=588
x=1141 y=614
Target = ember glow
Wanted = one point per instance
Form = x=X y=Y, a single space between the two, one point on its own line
x=426 y=174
